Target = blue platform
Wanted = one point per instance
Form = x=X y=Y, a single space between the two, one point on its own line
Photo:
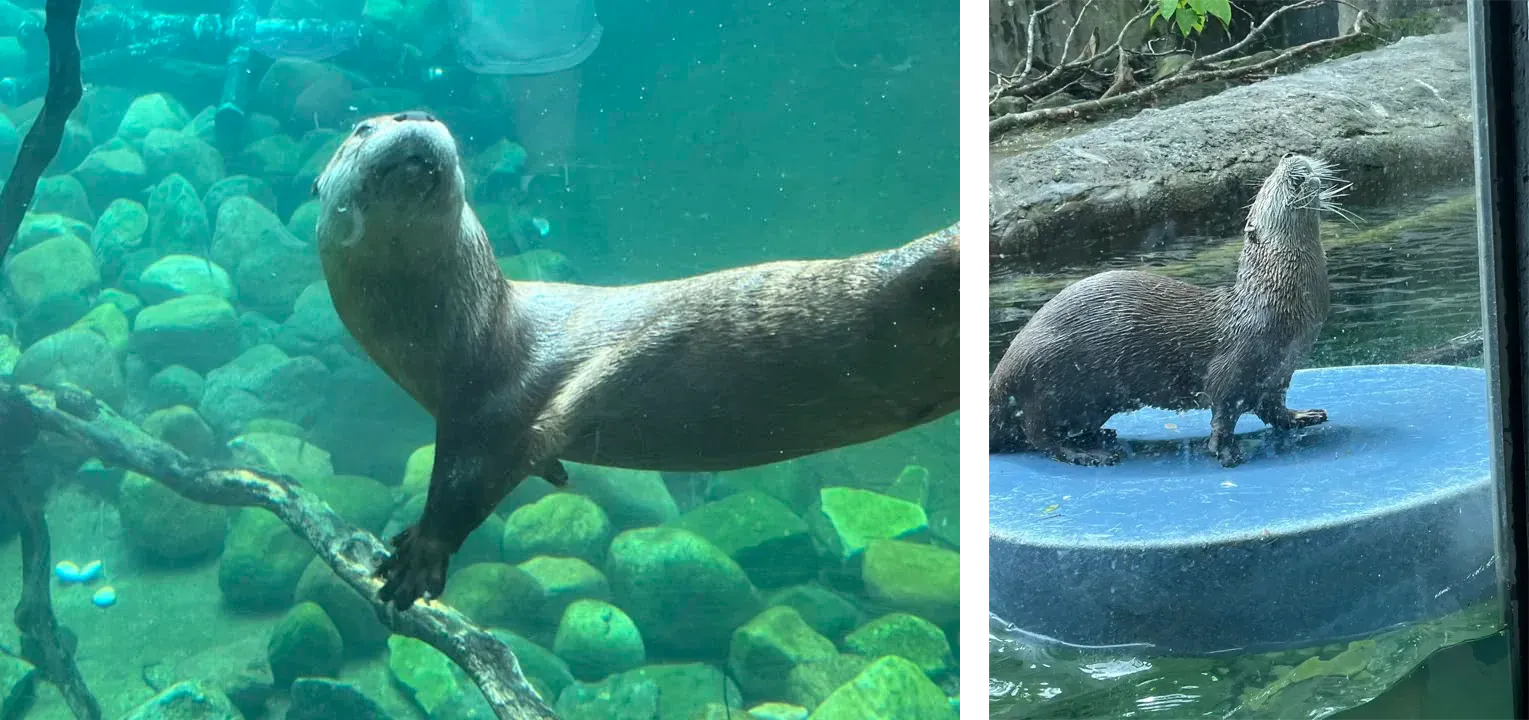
x=1379 y=517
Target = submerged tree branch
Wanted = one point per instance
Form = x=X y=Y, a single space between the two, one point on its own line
x=352 y=553
x=47 y=132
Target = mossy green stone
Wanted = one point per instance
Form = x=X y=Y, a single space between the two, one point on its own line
x=305 y=643
x=906 y=636
x=486 y=592
x=765 y=649
x=853 y=518
x=561 y=524
x=284 y=454
x=769 y=541
x=165 y=528
x=597 y=639
x=109 y=322
x=198 y=331
x=57 y=267
x=921 y=579
x=808 y=684
x=353 y=615
x=826 y=611
x=554 y=583
x=433 y=681
x=657 y=572
x=416 y=470
x=262 y=562
x=362 y=501
x=891 y=688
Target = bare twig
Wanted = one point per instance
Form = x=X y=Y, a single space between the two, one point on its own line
x=352 y=553
x=1012 y=121
x=1030 y=36
x=47 y=132
x=1017 y=85
x=1248 y=39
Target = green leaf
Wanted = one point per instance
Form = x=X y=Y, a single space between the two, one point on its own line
x=1198 y=6
x=1186 y=22
x=1222 y=9
x=1166 y=8
x=1200 y=22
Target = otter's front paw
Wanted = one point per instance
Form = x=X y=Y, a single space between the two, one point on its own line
x=1307 y=418
x=416 y=568
x=1226 y=449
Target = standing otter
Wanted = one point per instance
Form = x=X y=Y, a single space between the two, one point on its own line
x=1125 y=339
x=726 y=370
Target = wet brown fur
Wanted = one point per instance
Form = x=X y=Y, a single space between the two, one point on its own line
x=1126 y=339
x=725 y=370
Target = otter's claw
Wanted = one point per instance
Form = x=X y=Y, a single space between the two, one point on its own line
x=416 y=568
x=1307 y=418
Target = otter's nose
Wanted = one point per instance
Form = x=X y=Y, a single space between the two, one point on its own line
x=418 y=115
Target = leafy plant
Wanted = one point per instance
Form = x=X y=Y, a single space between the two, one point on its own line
x=1192 y=14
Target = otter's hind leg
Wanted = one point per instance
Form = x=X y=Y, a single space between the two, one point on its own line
x=1273 y=411
x=1094 y=446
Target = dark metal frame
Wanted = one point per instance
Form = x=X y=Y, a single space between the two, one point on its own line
x=1500 y=68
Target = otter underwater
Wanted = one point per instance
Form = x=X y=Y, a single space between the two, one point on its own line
x=725 y=370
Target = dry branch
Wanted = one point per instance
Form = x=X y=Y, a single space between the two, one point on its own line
x=1013 y=121
x=352 y=553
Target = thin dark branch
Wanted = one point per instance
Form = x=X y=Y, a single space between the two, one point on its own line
x=1252 y=35
x=47 y=132
x=352 y=553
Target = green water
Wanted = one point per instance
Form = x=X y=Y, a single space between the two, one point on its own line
x=707 y=136
x=1404 y=280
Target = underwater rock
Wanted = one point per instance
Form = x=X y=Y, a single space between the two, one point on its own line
x=920 y=579
x=945 y=526
x=63 y=195
x=659 y=692
x=174 y=385
x=791 y=482
x=291 y=456
x=305 y=221
x=264 y=382
x=912 y=484
x=358 y=499
x=319 y=147
x=906 y=636
x=238 y=186
x=562 y=524
x=685 y=594
x=187 y=701
x=597 y=640
x=172 y=152
x=313 y=324
x=888 y=689
x=120 y=231
x=319 y=699
x=275 y=159
x=547 y=672
x=271 y=277
x=102 y=108
x=174 y=276
x=777 y=711
x=498 y=166
x=262 y=562
x=151 y=112
x=72 y=150
x=294 y=90
x=198 y=331
x=765 y=649
x=37 y=227
x=485 y=592
x=165 y=528
x=54 y=270
x=363 y=634
x=80 y=357
x=434 y=682
x=539 y=265
x=552 y=584
x=10 y=354
x=758 y=532
x=848 y=519
x=808 y=685
x=18 y=686
x=256 y=330
x=416 y=471
x=630 y=498
x=826 y=611
x=481 y=545
x=112 y=171
x=183 y=428
x=110 y=323
x=177 y=220
x=304 y=644
x=125 y=301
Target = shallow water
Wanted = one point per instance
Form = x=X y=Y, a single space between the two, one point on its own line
x=707 y=138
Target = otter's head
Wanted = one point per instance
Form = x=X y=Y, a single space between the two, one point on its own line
x=1290 y=203
x=403 y=165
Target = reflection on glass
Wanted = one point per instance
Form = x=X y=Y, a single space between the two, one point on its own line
x=1238 y=416
x=254 y=245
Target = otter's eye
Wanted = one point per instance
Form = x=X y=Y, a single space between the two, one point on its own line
x=364 y=129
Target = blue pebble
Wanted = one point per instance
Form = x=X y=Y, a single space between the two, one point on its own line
x=105 y=597
x=67 y=572
x=91 y=572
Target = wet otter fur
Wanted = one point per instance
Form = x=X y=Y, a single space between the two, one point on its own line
x=726 y=370
x=1126 y=339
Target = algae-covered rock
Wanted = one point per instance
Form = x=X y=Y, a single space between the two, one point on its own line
x=362 y=501
x=64 y=195
x=237 y=186
x=791 y=482
x=679 y=690
x=826 y=611
x=149 y=112
x=108 y=321
x=760 y=533
x=546 y=671
x=433 y=681
x=183 y=428
x=75 y=356
x=314 y=326
x=264 y=382
x=630 y=498
x=912 y=484
x=486 y=592
x=906 y=636
x=321 y=699
x=111 y=170
x=167 y=152
x=539 y=265
x=284 y=454
x=685 y=594
x=890 y=688
x=242 y=225
x=198 y=331
x=765 y=649
x=174 y=276
x=777 y=711
x=416 y=471
x=920 y=579
x=363 y=634
x=262 y=562
x=18 y=686
x=55 y=270
x=269 y=278
x=177 y=220
x=809 y=683
x=122 y=229
x=560 y=524
x=304 y=221
x=304 y=644
x=164 y=527
x=38 y=226
x=187 y=701
x=597 y=639
x=175 y=385
x=848 y=519
x=553 y=583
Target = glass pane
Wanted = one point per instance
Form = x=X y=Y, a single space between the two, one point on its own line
x=1239 y=413
x=629 y=336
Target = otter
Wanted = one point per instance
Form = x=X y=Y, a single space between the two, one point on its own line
x=1127 y=339
x=725 y=370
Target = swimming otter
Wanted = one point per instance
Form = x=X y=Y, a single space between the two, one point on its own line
x=726 y=370
x=1126 y=339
